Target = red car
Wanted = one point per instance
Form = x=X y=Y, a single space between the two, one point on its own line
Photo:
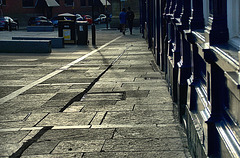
x=88 y=18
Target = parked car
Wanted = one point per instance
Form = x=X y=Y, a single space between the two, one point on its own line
x=79 y=17
x=39 y=21
x=54 y=21
x=88 y=18
x=101 y=19
x=4 y=23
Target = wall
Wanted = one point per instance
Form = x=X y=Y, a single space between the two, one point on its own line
x=190 y=42
x=117 y=7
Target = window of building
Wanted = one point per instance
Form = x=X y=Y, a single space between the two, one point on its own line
x=206 y=11
x=3 y=2
x=90 y=3
x=27 y=3
x=83 y=2
x=233 y=14
x=69 y=2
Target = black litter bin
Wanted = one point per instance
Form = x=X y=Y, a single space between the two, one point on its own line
x=66 y=27
x=82 y=32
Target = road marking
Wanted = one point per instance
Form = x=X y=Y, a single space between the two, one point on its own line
x=25 y=88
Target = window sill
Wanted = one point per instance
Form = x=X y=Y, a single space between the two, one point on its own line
x=69 y=5
x=235 y=42
x=29 y=7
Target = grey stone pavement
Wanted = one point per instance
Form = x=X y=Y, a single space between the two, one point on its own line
x=81 y=101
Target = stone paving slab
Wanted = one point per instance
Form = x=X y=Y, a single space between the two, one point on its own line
x=79 y=146
x=71 y=119
x=33 y=97
x=61 y=155
x=154 y=107
x=143 y=132
x=96 y=107
x=139 y=117
x=157 y=154
x=83 y=134
x=21 y=120
x=7 y=149
x=150 y=144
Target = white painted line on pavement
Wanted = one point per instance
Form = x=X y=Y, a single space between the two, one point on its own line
x=25 y=88
x=107 y=126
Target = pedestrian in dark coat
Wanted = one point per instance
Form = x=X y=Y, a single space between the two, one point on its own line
x=130 y=18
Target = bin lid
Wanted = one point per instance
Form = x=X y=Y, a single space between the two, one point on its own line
x=67 y=16
x=81 y=22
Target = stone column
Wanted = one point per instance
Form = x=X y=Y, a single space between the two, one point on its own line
x=186 y=13
x=178 y=9
x=184 y=65
x=215 y=82
x=217 y=31
x=197 y=20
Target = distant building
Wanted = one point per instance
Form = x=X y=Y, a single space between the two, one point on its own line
x=117 y=6
x=23 y=9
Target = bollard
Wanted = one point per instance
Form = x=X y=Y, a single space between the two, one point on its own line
x=10 y=27
x=93 y=35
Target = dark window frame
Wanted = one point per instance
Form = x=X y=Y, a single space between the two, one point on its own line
x=83 y=3
x=69 y=2
x=3 y=2
x=90 y=3
x=28 y=3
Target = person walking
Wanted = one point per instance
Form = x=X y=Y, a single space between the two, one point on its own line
x=130 y=18
x=123 y=20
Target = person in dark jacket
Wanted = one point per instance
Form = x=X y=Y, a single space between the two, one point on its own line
x=130 y=18
x=123 y=20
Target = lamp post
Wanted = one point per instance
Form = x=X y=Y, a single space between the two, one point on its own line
x=106 y=11
x=1 y=11
x=93 y=26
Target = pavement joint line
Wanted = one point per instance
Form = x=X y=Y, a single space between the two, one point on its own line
x=90 y=126
x=60 y=84
x=81 y=95
x=29 y=142
x=25 y=88
x=10 y=129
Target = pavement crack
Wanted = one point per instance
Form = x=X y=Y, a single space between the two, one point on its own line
x=103 y=146
x=28 y=115
x=103 y=118
x=29 y=142
x=133 y=107
x=92 y=118
x=115 y=131
x=41 y=120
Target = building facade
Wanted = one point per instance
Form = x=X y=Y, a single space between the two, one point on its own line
x=117 y=6
x=24 y=9
x=196 y=44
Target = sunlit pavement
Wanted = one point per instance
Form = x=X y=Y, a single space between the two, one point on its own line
x=84 y=101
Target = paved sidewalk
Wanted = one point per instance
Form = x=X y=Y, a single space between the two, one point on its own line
x=106 y=102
